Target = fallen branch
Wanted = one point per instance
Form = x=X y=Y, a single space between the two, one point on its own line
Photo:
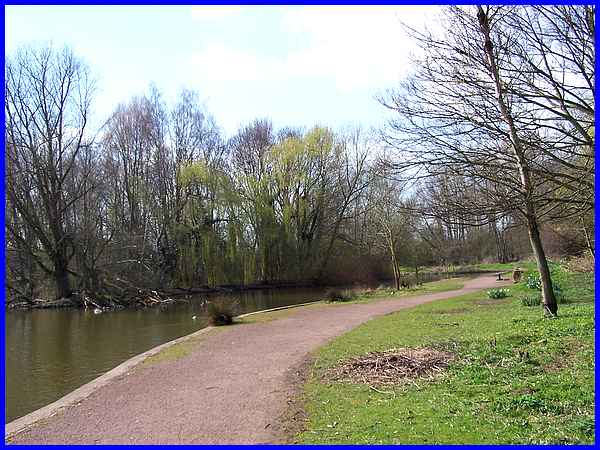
x=382 y=392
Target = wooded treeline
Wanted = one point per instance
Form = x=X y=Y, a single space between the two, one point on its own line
x=159 y=198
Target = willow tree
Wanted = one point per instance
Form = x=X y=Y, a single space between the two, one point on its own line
x=296 y=212
x=251 y=169
x=304 y=185
x=209 y=235
x=470 y=110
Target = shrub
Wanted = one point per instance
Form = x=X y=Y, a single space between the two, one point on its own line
x=221 y=312
x=531 y=299
x=336 y=295
x=498 y=293
x=533 y=282
x=536 y=299
x=407 y=282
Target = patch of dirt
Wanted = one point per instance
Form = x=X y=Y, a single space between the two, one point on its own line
x=394 y=366
x=263 y=317
x=294 y=419
x=563 y=360
x=524 y=391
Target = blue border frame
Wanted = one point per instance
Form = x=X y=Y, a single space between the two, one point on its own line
x=2 y=233
x=292 y=2
x=596 y=264
x=277 y=2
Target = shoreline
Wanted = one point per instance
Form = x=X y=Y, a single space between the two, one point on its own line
x=17 y=425
x=227 y=391
x=175 y=295
x=92 y=386
x=84 y=391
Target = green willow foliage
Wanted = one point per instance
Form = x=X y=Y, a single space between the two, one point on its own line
x=260 y=226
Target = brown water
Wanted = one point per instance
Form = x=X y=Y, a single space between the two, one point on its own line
x=49 y=353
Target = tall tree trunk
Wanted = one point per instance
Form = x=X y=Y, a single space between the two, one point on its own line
x=549 y=299
x=500 y=243
x=61 y=278
x=396 y=274
x=394 y=262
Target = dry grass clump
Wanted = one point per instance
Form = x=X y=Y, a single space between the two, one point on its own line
x=221 y=312
x=336 y=295
x=393 y=366
x=583 y=263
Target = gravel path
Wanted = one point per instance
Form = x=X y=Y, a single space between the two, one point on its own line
x=232 y=388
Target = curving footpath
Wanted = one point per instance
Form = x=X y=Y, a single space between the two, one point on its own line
x=232 y=388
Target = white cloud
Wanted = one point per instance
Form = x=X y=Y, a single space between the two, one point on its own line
x=218 y=62
x=353 y=47
x=357 y=46
x=214 y=13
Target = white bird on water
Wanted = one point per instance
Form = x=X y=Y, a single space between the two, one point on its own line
x=194 y=317
x=97 y=311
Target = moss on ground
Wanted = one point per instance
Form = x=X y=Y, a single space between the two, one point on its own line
x=177 y=351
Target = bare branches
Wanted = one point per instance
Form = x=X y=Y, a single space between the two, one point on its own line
x=505 y=101
x=47 y=99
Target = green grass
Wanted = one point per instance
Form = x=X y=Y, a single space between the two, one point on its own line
x=432 y=287
x=363 y=297
x=519 y=378
x=472 y=267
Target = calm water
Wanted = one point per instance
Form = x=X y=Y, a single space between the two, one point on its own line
x=49 y=353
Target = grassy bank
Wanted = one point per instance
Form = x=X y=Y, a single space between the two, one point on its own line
x=517 y=377
x=362 y=296
x=432 y=287
x=462 y=268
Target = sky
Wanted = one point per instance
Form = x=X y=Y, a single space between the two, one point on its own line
x=296 y=65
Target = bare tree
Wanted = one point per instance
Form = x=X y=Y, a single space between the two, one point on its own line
x=462 y=113
x=389 y=223
x=47 y=100
x=352 y=176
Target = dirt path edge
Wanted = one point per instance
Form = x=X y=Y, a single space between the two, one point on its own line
x=207 y=408
x=89 y=388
